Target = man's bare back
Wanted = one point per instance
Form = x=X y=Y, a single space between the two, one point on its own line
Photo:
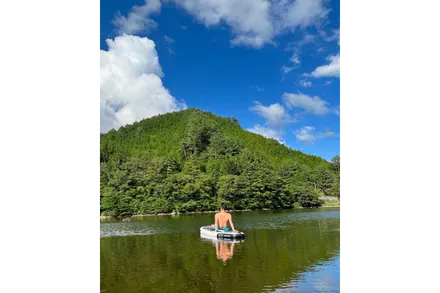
x=222 y=218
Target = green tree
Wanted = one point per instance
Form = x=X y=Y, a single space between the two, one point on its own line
x=191 y=160
x=307 y=197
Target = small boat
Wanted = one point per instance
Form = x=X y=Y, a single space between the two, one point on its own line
x=208 y=232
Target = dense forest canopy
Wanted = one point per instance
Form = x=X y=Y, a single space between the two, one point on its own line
x=192 y=160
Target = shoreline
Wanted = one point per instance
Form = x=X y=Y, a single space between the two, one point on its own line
x=192 y=213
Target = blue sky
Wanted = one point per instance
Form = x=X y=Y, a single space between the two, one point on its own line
x=274 y=65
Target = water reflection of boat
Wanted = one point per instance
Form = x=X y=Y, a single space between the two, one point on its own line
x=215 y=241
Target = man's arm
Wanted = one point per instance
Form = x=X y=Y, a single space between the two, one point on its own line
x=216 y=222
x=232 y=224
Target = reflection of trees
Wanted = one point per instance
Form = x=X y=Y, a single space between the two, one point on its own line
x=181 y=262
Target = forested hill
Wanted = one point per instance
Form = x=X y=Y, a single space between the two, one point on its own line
x=192 y=160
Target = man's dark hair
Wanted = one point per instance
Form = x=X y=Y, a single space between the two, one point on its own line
x=223 y=205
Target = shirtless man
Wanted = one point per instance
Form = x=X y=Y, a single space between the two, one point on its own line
x=221 y=220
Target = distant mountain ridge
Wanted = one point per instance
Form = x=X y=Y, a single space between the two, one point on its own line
x=162 y=135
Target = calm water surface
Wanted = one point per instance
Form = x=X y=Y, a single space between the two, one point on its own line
x=288 y=251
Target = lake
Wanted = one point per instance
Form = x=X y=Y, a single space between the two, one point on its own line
x=284 y=251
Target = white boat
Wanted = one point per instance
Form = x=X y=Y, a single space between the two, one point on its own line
x=209 y=233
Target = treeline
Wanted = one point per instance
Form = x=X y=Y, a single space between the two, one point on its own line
x=192 y=160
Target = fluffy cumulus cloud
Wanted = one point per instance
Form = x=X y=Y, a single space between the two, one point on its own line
x=252 y=22
x=256 y=22
x=305 y=134
x=299 y=13
x=138 y=19
x=276 y=117
x=308 y=135
x=249 y=20
x=313 y=105
x=274 y=114
x=131 y=85
x=267 y=132
x=331 y=69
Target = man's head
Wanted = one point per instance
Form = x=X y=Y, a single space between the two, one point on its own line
x=222 y=206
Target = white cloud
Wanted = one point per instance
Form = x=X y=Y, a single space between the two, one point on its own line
x=168 y=39
x=328 y=82
x=256 y=22
x=250 y=40
x=299 y=13
x=266 y=132
x=249 y=20
x=257 y=88
x=131 y=85
x=326 y=134
x=314 y=39
x=276 y=118
x=313 y=105
x=329 y=70
x=274 y=114
x=253 y=22
x=297 y=45
x=305 y=83
x=138 y=18
x=337 y=110
x=334 y=37
x=307 y=134
x=295 y=58
x=184 y=27
x=286 y=69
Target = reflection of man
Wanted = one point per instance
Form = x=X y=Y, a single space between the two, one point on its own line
x=224 y=251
